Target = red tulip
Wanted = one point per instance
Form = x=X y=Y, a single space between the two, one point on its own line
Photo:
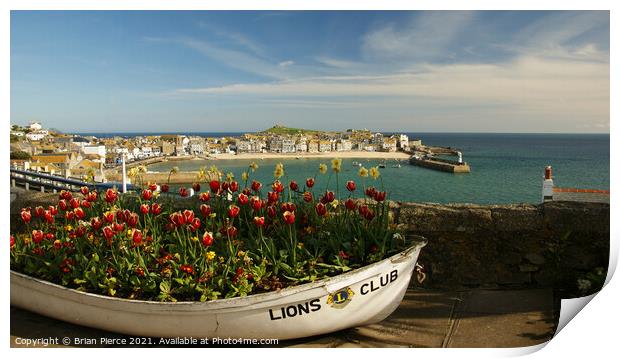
x=152 y=187
x=156 y=209
x=137 y=237
x=84 y=190
x=188 y=215
x=86 y=204
x=196 y=187
x=256 y=185
x=120 y=215
x=224 y=186
x=289 y=217
x=234 y=186
x=256 y=203
x=188 y=269
x=108 y=233
x=214 y=185
x=321 y=209
x=195 y=224
x=366 y=212
x=272 y=197
x=57 y=244
x=288 y=207
x=310 y=182
x=207 y=239
x=277 y=186
x=65 y=195
x=109 y=217
x=50 y=236
x=132 y=220
x=242 y=199
x=75 y=203
x=38 y=211
x=119 y=227
x=96 y=223
x=329 y=196
x=293 y=185
x=49 y=218
x=177 y=219
x=139 y=271
x=92 y=196
x=80 y=231
x=271 y=211
x=343 y=255
x=69 y=215
x=231 y=232
x=52 y=209
x=111 y=195
x=147 y=194
x=307 y=197
x=26 y=216
x=145 y=209
x=351 y=185
x=205 y=196
x=12 y=241
x=259 y=221
x=379 y=196
x=62 y=204
x=205 y=210
x=37 y=236
x=79 y=213
x=165 y=188
x=350 y=204
x=233 y=211
x=247 y=191
x=370 y=191
x=183 y=192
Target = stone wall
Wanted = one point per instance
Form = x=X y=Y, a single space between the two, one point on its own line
x=546 y=245
x=549 y=245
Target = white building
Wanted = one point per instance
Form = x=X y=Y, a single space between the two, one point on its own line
x=403 y=141
x=94 y=149
x=288 y=146
x=36 y=136
x=35 y=126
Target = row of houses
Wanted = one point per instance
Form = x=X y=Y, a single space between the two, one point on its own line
x=302 y=143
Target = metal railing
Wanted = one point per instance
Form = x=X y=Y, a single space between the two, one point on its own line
x=48 y=182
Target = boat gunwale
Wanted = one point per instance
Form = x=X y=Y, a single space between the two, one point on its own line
x=234 y=302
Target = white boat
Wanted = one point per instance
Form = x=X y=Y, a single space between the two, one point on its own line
x=359 y=297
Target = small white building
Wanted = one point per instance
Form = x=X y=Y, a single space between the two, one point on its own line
x=403 y=141
x=99 y=150
x=36 y=136
x=35 y=126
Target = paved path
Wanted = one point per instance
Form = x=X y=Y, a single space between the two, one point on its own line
x=426 y=318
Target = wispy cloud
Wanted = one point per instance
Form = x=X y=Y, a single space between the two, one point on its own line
x=426 y=36
x=286 y=63
x=554 y=74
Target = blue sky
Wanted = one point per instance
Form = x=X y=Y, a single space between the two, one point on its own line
x=414 y=71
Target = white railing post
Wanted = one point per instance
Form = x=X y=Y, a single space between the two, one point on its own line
x=124 y=174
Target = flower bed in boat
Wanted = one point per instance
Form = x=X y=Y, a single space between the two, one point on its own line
x=237 y=239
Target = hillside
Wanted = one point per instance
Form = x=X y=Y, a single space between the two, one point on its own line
x=278 y=129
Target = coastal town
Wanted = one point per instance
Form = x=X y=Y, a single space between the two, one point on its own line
x=35 y=148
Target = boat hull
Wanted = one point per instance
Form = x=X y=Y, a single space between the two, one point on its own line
x=362 y=296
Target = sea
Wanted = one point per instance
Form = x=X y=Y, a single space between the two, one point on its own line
x=505 y=168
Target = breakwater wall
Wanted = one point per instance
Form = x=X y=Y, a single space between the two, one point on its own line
x=441 y=165
x=554 y=244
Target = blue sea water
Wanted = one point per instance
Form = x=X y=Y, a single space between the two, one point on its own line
x=505 y=168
